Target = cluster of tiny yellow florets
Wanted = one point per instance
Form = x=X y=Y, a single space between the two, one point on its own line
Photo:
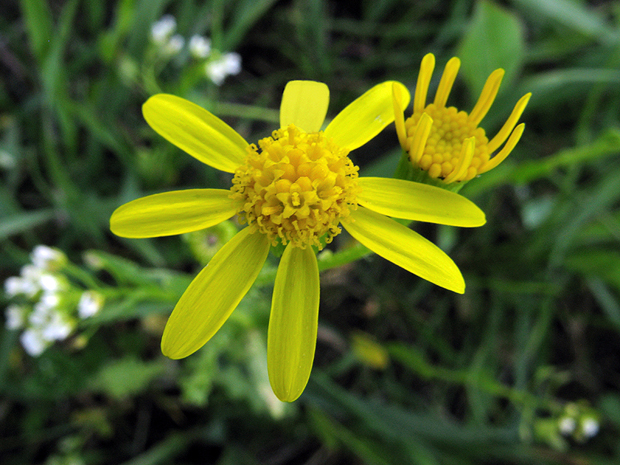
x=444 y=144
x=296 y=187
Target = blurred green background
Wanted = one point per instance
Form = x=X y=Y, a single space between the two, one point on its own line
x=524 y=368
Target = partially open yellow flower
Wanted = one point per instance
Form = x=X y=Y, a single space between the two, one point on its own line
x=294 y=188
x=446 y=143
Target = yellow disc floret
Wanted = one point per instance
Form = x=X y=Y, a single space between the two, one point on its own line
x=444 y=146
x=296 y=187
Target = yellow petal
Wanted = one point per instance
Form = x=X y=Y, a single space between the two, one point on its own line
x=304 y=104
x=293 y=323
x=424 y=79
x=419 y=202
x=170 y=213
x=214 y=294
x=447 y=80
x=487 y=96
x=366 y=116
x=510 y=123
x=467 y=154
x=504 y=152
x=405 y=248
x=420 y=136
x=399 y=117
x=196 y=131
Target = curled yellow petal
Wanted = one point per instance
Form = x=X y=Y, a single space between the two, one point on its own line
x=418 y=202
x=399 y=117
x=304 y=104
x=405 y=248
x=447 y=80
x=504 y=152
x=366 y=116
x=293 y=323
x=467 y=154
x=424 y=79
x=214 y=294
x=487 y=96
x=510 y=123
x=171 y=213
x=420 y=136
x=196 y=131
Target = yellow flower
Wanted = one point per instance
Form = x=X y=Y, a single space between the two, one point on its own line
x=295 y=188
x=446 y=143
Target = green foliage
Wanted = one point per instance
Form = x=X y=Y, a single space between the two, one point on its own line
x=494 y=39
x=508 y=373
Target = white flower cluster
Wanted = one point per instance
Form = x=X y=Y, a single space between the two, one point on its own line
x=163 y=35
x=580 y=421
x=46 y=303
x=217 y=65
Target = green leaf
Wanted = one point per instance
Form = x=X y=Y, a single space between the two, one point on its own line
x=493 y=40
x=25 y=221
x=572 y=14
x=39 y=25
x=607 y=144
x=128 y=376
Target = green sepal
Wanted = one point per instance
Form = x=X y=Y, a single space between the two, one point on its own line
x=408 y=171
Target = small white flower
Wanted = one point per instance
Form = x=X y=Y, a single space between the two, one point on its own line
x=40 y=316
x=58 y=328
x=14 y=286
x=590 y=427
x=90 y=304
x=49 y=283
x=31 y=280
x=227 y=64
x=163 y=29
x=49 y=300
x=567 y=425
x=174 y=45
x=47 y=258
x=33 y=342
x=233 y=63
x=199 y=46
x=15 y=316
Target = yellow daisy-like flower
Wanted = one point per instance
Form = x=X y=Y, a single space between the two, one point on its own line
x=447 y=144
x=294 y=188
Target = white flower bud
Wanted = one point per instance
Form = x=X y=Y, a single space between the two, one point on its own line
x=15 y=316
x=90 y=304
x=199 y=46
x=47 y=258
x=162 y=30
x=33 y=342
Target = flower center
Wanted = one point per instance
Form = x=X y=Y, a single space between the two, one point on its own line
x=443 y=151
x=296 y=187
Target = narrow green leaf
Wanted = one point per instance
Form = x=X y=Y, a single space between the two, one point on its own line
x=39 y=25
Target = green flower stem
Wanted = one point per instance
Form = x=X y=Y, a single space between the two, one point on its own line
x=84 y=277
x=415 y=361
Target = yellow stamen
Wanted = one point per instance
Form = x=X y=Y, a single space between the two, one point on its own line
x=296 y=187
x=447 y=80
x=424 y=80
